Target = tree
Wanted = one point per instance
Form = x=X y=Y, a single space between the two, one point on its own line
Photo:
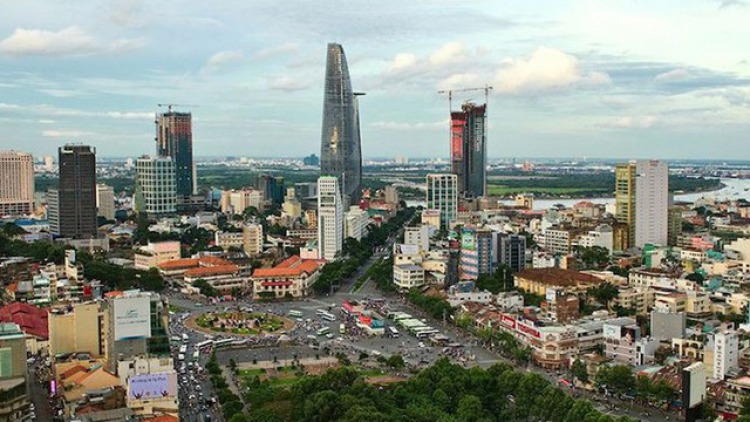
x=205 y=288
x=696 y=276
x=604 y=293
x=470 y=409
x=661 y=354
x=618 y=378
x=395 y=362
x=578 y=369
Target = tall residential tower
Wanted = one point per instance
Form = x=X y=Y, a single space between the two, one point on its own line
x=340 y=146
x=16 y=183
x=642 y=202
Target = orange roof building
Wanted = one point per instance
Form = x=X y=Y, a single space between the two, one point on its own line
x=538 y=280
x=291 y=278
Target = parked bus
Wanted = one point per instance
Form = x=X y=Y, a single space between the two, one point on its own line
x=323 y=331
x=180 y=357
x=185 y=338
x=196 y=354
x=204 y=344
x=295 y=313
x=183 y=349
x=426 y=333
x=175 y=339
x=321 y=311
x=226 y=342
x=328 y=317
x=393 y=331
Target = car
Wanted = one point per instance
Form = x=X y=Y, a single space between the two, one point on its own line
x=329 y=336
x=421 y=344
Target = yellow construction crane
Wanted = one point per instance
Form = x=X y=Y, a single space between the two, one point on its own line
x=170 y=105
x=450 y=92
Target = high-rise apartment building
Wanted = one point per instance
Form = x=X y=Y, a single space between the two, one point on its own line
x=252 y=239
x=340 y=149
x=237 y=201
x=511 y=251
x=155 y=192
x=725 y=353
x=72 y=207
x=476 y=253
x=16 y=183
x=174 y=138
x=651 y=203
x=105 y=201
x=642 y=202
x=442 y=195
x=330 y=218
x=469 y=149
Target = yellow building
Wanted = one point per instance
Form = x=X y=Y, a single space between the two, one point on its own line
x=538 y=280
x=80 y=331
x=625 y=175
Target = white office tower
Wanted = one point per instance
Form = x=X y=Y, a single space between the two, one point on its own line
x=651 y=202
x=356 y=223
x=330 y=218
x=442 y=195
x=726 y=349
x=156 y=186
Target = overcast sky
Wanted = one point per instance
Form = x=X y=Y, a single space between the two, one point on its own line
x=663 y=79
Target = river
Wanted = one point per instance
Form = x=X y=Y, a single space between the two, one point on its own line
x=733 y=189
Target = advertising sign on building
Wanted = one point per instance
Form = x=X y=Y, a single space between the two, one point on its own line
x=152 y=386
x=468 y=240
x=132 y=317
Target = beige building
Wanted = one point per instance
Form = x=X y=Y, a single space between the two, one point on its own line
x=639 y=300
x=291 y=278
x=226 y=240
x=236 y=201
x=16 y=183
x=105 y=201
x=538 y=280
x=79 y=331
x=14 y=400
x=153 y=254
x=252 y=239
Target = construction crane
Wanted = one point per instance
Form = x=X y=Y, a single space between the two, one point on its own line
x=170 y=105
x=450 y=92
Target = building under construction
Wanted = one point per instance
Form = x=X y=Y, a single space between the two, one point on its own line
x=469 y=149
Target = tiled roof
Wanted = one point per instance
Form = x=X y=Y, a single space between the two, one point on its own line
x=212 y=270
x=557 y=276
x=179 y=263
x=291 y=267
x=31 y=319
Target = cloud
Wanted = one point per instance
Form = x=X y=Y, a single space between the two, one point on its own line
x=452 y=52
x=672 y=76
x=71 y=41
x=630 y=122
x=402 y=61
x=220 y=59
x=60 y=93
x=64 y=133
x=277 y=50
x=546 y=70
x=285 y=83
x=725 y=4
x=48 y=110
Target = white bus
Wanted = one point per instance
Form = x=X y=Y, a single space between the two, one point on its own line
x=328 y=317
x=393 y=331
x=183 y=349
x=426 y=333
x=204 y=344
x=321 y=311
x=323 y=331
x=226 y=342
x=180 y=357
x=295 y=313
x=196 y=354
x=185 y=338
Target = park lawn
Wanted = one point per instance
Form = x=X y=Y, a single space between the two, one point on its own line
x=283 y=382
x=252 y=372
x=504 y=190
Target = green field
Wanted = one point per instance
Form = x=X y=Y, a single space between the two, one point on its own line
x=505 y=190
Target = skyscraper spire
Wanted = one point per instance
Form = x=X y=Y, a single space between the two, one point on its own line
x=340 y=146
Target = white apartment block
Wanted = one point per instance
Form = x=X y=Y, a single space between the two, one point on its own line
x=601 y=237
x=330 y=218
x=726 y=351
x=651 y=202
x=16 y=183
x=226 y=240
x=442 y=195
x=418 y=236
x=406 y=276
x=357 y=220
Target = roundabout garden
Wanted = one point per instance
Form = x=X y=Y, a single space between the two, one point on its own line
x=242 y=323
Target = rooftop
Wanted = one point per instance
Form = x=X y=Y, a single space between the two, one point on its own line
x=558 y=277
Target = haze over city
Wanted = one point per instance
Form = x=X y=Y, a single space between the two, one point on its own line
x=571 y=78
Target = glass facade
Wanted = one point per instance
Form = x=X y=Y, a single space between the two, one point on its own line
x=155 y=185
x=469 y=149
x=340 y=149
x=174 y=138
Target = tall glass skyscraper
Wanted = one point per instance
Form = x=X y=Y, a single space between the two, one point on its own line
x=340 y=146
x=174 y=138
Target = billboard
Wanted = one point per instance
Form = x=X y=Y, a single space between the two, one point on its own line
x=630 y=334
x=457 y=137
x=152 y=386
x=468 y=240
x=132 y=317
